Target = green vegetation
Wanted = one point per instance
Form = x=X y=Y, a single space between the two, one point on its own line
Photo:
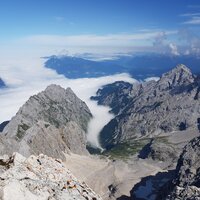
x=125 y=150
x=21 y=129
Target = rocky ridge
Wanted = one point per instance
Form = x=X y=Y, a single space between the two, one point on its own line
x=153 y=107
x=40 y=177
x=186 y=184
x=51 y=122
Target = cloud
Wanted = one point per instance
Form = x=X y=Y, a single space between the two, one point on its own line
x=151 y=79
x=191 y=40
x=192 y=18
x=189 y=14
x=193 y=21
x=174 y=49
x=59 y=18
x=163 y=45
x=25 y=81
x=159 y=39
x=92 y=40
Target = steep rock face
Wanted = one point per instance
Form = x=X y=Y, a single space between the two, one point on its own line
x=51 y=122
x=186 y=185
x=39 y=177
x=155 y=107
x=115 y=95
x=160 y=151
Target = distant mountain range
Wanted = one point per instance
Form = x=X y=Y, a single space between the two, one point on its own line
x=140 y=66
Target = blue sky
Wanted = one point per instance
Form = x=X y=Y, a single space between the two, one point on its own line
x=129 y=25
x=74 y=17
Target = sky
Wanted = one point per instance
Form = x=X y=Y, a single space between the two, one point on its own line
x=32 y=29
x=103 y=26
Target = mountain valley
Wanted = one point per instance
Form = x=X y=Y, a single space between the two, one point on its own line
x=149 y=134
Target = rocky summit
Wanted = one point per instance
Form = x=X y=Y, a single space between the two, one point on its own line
x=151 y=108
x=51 y=122
x=40 y=177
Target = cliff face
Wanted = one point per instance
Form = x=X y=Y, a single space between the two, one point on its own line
x=51 y=122
x=186 y=184
x=39 y=177
x=148 y=109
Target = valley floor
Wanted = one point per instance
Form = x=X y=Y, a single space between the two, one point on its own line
x=112 y=179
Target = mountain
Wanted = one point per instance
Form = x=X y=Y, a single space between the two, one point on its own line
x=40 y=177
x=75 y=67
x=2 y=84
x=151 y=108
x=51 y=122
x=114 y=95
x=3 y=125
x=186 y=184
x=140 y=66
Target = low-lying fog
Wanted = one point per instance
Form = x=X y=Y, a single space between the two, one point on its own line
x=25 y=81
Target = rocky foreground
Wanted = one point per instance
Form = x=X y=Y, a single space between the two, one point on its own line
x=153 y=123
x=186 y=184
x=40 y=178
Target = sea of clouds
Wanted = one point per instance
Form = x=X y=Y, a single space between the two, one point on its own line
x=24 y=81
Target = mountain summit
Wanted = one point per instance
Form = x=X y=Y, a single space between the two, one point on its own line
x=179 y=76
x=51 y=122
x=151 y=108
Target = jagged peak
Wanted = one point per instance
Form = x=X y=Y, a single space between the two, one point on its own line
x=57 y=87
x=56 y=91
x=182 y=68
x=180 y=75
x=179 y=69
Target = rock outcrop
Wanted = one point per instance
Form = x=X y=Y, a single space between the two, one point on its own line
x=151 y=108
x=159 y=150
x=51 y=122
x=186 y=184
x=39 y=178
x=116 y=95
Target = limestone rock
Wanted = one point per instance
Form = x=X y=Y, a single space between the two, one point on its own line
x=160 y=151
x=186 y=184
x=41 y=178
x=154 y=107
x=51 y=122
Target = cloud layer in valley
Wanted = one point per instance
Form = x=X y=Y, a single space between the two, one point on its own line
x=26 y=81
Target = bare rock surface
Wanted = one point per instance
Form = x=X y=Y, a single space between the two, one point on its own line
x=51 y=122
x=40 y=178
x=151 y=108
x=186 y=184
x=111 y=179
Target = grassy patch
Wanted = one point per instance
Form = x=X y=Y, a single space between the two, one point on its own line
x=125 y=150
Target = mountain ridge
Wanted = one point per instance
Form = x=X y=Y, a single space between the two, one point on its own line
x=149 y=105
x=52 y=122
